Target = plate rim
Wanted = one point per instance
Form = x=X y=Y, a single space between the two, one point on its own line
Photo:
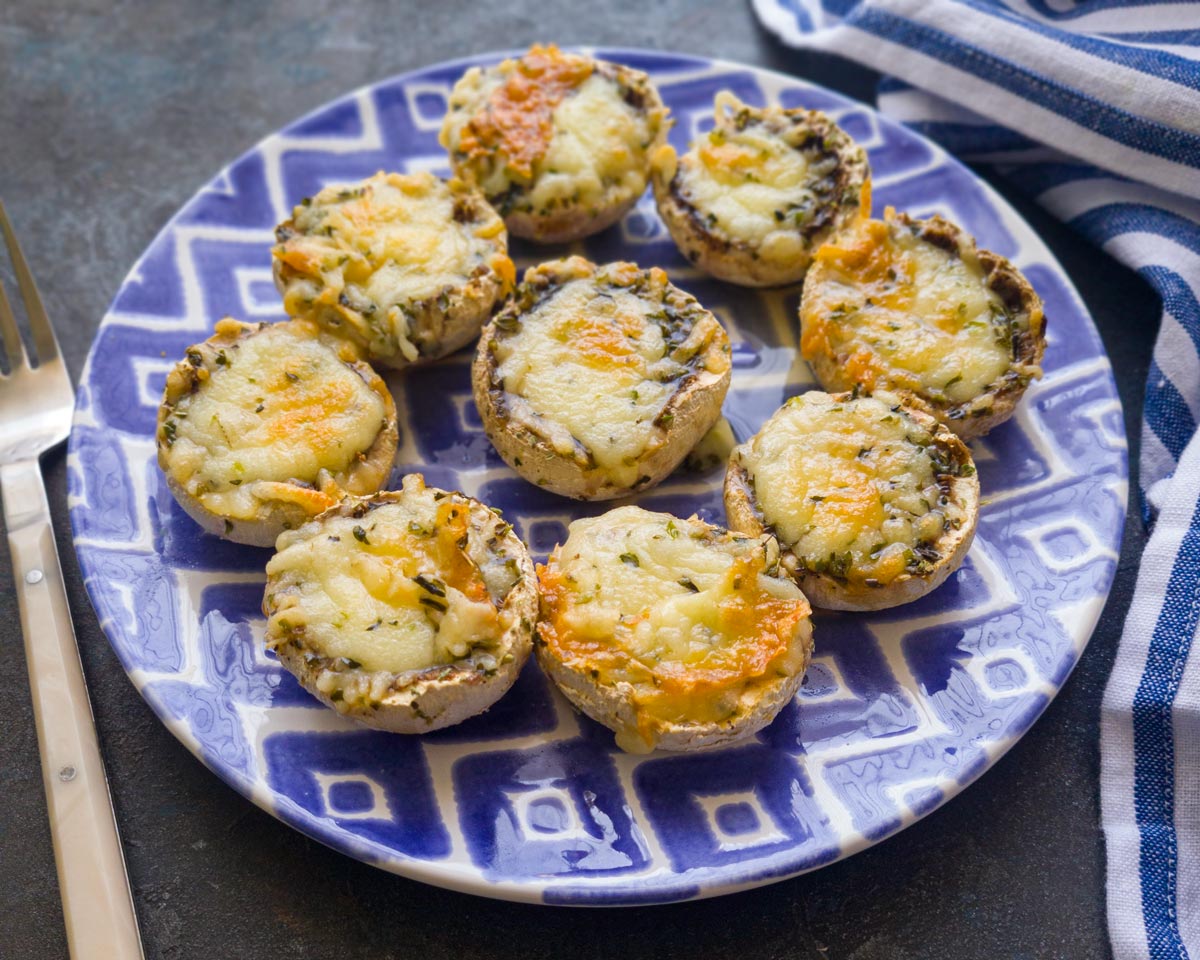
x=446 y=874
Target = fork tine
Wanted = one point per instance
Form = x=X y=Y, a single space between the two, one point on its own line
x=12 y=338
x=39 y=323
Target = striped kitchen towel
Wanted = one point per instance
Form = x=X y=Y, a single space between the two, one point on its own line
x=1100 y=103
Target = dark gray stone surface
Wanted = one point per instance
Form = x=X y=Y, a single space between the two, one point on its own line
x=111 y=114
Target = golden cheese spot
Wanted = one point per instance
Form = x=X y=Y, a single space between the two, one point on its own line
x=665 y=162
x=310 y=411
x=624 y=273
x=506 y=270
x=397 y=554
x=602 y=343
x=728 y=161
x=852 y=503
x=865 y=256
x=518 y=116
x=313 y=502
x=300 y=258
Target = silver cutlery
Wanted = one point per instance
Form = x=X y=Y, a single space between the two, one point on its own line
x=35 y=416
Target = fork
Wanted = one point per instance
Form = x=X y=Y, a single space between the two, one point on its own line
x=35 y=416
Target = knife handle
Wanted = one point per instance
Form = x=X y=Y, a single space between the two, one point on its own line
x=92 y=879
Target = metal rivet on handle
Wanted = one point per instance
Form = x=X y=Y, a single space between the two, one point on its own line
x=33 y=576
x=66 y=773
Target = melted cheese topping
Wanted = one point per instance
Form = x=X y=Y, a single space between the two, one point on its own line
x=590 y=370
x=395 y=590
x=598 y=151
x=752 y=183
x=554 y=127
x=852 y=487
x=692 y=618
x=519 y=118
x=579 y=373
x=899 y=311
x=282 y=406
x=371 y=254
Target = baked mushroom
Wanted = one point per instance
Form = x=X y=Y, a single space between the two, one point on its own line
x=559 y=142
x=753 y=199
x=914 y=307
x=596 y=381
x=673 y=633
x=874 y=502
x=264 y=426
x=408 y=266
x=407 y=611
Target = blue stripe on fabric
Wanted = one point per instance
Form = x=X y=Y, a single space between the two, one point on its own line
x=1166 y=413
x=1113 y=219
x=967 y=138
x=1154 y=748
x=1153 y=63
x=1180 y=38
x=838 y=8
x=1091 y=6
x=890 y=84
x=1117 y=125
x=803 y=21
x=1179 y=298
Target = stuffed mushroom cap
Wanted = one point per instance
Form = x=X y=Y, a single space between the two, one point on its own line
x=559 y=142
x=674 y=633
x=873 y=501
x=407 y=611
x=915 y=308
x=407 y=266
x=264 y=426
x=753 y=199
x=597 y=380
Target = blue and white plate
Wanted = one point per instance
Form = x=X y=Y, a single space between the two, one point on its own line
x=900 y=710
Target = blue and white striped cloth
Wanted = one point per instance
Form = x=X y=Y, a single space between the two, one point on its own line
x=1100 y=108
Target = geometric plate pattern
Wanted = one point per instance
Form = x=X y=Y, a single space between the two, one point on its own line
x=900 y=709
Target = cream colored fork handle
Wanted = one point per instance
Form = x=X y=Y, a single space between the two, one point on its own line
x=97 y=906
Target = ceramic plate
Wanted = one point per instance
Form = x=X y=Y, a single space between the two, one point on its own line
x=900 y=709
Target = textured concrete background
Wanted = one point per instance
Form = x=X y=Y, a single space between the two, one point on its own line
x=111 y=114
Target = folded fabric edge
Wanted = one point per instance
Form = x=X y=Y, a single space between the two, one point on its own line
x=1147 y=775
